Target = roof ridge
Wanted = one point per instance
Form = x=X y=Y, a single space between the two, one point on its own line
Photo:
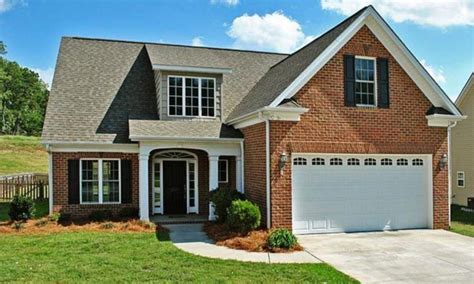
x=324 y=34
x=173 y=44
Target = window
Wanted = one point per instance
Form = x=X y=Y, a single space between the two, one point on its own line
x=386 y=162
x=370 y=162
x=353 y=162
x=461 y=179
x=417 y=162
x=335 y=162
x=223 y=170
x=402 y=162
x=318 y=161
x=191 y=96
x=365 y=94
x=192 y=185
x=100 y=181
x=299 y=161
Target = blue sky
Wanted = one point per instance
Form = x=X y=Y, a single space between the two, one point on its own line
x=440 y=34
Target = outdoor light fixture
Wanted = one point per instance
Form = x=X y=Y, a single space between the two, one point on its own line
x=282 y=162
x=443 y=161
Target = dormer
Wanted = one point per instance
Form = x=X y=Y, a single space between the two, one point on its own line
x=189 y=92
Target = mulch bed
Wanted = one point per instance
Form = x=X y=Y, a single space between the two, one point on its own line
x=45 y=226
x=254 y=241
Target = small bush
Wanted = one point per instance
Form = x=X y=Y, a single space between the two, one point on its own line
x=54 y=217
x=243 y=216
x=41 y=222
x=222 y=199
x=128 y=213
x=18 y=225
x=64 y=217
x=281 y=238
x=100 y=215
x=107 y=225
x=21 y=208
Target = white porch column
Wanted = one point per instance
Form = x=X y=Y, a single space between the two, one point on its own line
x=213 y=181
x=238 y=174
x=143 y=187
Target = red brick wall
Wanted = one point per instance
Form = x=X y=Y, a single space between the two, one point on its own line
x=254 y=169
x=330 y=127
x=60 y=184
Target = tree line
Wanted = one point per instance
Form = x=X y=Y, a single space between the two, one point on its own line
x=23 y=98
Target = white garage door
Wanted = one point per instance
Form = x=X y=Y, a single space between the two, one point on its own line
x=347 y=193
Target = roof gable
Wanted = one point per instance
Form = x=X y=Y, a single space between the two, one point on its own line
x=467 y=89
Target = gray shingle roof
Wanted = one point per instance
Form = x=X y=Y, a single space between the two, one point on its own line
x=281 y=75
x=182 y=129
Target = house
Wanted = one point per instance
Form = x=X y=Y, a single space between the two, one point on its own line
x=462 y=148
x=349 y=133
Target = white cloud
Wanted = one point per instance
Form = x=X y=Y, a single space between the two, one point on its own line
x=6 y=5
x=227 y=2
x=436 y=73
x=274 y=32
x=197 y=41
x=45 y=74
x=435 y=13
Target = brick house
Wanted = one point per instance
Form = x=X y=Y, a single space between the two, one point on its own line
x=349 y=133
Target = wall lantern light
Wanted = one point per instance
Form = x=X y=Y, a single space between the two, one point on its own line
x=282 y=162
x=443 y=161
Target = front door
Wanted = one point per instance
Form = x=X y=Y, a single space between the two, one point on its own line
x=174 y=182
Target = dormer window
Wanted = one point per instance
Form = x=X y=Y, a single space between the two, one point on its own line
x=191 y=96
x=365 y=85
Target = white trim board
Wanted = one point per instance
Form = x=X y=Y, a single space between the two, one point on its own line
x=393 y=44
x=181 y=68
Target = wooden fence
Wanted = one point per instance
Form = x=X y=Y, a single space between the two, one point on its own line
x=32 y=185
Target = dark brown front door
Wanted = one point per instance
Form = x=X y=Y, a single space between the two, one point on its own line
x=174 y=182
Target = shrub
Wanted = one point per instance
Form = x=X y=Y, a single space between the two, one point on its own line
x=21 y=208
x=18 y=225
x=243 y=216
x=64 y=217
x=41 y=222
x=128 y=213
x=100 y=215
x=281 y=238
x=54 y=217
x=222 y=199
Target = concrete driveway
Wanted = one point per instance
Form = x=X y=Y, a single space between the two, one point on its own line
x=410 y=256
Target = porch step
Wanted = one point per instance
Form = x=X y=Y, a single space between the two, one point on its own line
x=179 y=219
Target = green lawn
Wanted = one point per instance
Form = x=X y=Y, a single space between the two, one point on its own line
x=133 y=257
x=42 y=209
x=462 y=222
x=20 y=154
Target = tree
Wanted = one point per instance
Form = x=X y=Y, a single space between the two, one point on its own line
x=3 y=48
x=23 y=98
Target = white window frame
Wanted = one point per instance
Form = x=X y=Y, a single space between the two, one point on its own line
x=100 y=180
x=463 y=179
x=183 y=90
x=374 y=59
x=226 y=171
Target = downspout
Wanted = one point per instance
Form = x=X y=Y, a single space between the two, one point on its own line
x=50 y=177
x=450 y=193
x=267 y=166
x=242 y=167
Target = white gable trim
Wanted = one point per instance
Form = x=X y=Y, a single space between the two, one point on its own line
x=469 y=85
x=180 y=68
x=389 y=39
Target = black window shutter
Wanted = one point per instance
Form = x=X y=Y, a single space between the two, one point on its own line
x=349 y=80
x=126 y=182
x=382 y=81
x=73 y=181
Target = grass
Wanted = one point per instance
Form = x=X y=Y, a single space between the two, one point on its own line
x=136 y=257
x=462 y=222
x=42 y=209
x=20 y=154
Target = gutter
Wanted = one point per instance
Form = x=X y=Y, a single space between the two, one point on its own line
x=50 y=177
x=242 y=167
x=450 y=188
x=268 y=109
x=267 y=169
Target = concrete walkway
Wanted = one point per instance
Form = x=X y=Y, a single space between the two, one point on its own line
x=192 y=239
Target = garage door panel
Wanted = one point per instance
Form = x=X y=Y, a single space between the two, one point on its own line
x=328 y=198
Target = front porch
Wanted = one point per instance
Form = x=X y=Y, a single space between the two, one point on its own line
x=175 y=178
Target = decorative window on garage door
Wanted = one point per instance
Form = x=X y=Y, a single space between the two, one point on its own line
x=353 y=162
x=318 y=161
x=299 y=161
x=386 y=162
x=370 y=162
x=417 y=162
x=402 y=162
x=335 y=162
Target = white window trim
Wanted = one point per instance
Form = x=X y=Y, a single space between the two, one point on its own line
x=226 y=171
x=100 y=180
x=374 y=59
x=459 y=179
x=183 y=90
